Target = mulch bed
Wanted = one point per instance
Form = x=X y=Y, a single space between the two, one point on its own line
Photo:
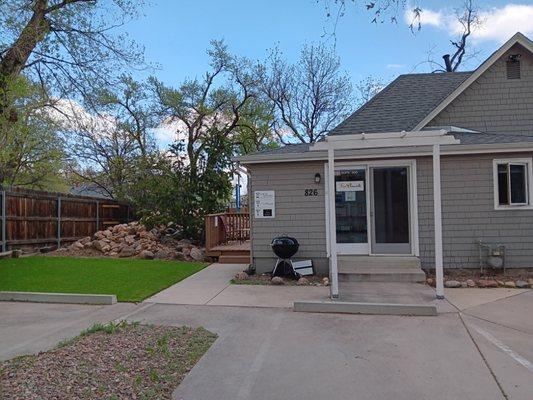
x=114 y=361
x=266 y=279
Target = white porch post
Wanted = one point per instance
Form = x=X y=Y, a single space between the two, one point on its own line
x=437 y=217
x=334 y=277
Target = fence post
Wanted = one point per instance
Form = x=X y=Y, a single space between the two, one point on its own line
x=97 y=216
x=3 y=206
x=58 y=222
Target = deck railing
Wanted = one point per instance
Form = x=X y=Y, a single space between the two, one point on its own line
x=226 y=227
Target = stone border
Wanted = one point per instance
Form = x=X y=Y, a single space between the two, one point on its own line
x=65 y=298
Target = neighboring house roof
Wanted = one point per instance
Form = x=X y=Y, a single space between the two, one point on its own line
x=402 y=104
x=89 y=190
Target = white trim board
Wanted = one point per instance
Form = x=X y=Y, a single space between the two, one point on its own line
x=493 y=148
x=517 y=38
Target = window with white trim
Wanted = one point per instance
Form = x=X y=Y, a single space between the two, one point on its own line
x=512 y=183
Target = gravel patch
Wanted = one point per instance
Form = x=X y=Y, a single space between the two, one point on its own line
x=113 y=361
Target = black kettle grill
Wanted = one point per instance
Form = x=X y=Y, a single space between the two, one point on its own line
x=284 y=247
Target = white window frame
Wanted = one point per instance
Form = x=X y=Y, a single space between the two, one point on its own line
x=529 y=183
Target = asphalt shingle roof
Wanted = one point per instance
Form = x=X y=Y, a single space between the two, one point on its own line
x=402 y=104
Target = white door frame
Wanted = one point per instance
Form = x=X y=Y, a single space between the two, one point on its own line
x=366 y=249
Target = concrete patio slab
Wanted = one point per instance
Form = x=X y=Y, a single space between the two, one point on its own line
x=211 y=286
x=467 y=298
x=268 y=296
x=380 y=298
x=201 y=287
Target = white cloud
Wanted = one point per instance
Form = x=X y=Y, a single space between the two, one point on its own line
x=497 y=24
x=427 y=17
x=500 y=24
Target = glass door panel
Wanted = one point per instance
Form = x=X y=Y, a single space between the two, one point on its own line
x=351 y=211
x=390 y=210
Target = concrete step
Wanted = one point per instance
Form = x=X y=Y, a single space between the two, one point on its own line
x=234 y=259
x=377 y=274
x=348 y=307
x=378 y=261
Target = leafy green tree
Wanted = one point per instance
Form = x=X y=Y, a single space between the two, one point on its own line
x=67 y=45
x=113 y=146
x=31 y=152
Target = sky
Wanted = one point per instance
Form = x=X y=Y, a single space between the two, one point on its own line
x=176 y=33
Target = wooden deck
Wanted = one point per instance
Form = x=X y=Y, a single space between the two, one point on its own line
x=231 y=252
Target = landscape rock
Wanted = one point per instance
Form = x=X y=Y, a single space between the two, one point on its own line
x=325 y=281
x=126 y=251
x=520 y=284
x=509 y=284
x=452 y=284
x=98 y=245
x=242 y=276
x=76 y=246
x=196 y=254
x=146 y=255
x=161 y=255
x=277 y=280
x=133 y=239
x=430 y=282
x=487 y=283
x=470 y=283
x=302 y=281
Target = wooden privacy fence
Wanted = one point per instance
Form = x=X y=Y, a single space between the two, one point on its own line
x=33 y=217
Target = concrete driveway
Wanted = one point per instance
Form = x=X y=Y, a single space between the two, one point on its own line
x=484 y=351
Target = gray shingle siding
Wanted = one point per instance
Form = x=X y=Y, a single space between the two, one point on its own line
x=494 y=103
x=468 y=213
x=296 y=215
x=467 y=210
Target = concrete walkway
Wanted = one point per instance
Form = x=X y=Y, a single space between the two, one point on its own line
x=211 y=286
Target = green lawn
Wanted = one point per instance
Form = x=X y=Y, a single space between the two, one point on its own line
x=130 y=279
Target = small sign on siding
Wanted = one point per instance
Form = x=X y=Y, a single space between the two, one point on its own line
x=264 y=204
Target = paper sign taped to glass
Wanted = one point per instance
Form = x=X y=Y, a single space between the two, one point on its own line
x=350 y=186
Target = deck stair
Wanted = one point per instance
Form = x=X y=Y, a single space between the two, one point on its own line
x=231 y=253
x=380 y=269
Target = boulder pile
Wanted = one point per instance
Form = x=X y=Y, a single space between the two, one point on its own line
x=135 y=240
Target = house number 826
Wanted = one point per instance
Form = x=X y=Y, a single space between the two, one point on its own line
x=311 y=192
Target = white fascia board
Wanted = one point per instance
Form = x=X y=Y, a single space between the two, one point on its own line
x=385 y=140
x=367 y=140
x=517 y=38
x=520 y=147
